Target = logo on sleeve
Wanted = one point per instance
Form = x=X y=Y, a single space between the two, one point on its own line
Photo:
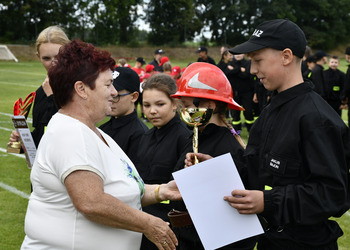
x=195 y=83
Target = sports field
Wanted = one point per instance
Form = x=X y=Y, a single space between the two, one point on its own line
x=18 y=80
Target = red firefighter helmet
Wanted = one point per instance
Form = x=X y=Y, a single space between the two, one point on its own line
x=205 y=80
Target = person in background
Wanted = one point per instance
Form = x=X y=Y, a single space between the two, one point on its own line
x=87 y=193
x=138 y=67
x=311 y=63
x=308 y=52
x=167 y=67
x=317 y=77
x=334 y=84
x=158 y=54
x=243 y=87
x=164 y=60
x=298 y=150
x=161 y=146
x=122 y=63
x=223 y=48
x=176 y=74
x=346 y=95
x=48 y=43
x=124 y=126
x=225 y=65
x=215 y=138
x=203 y=55
x=149 y=68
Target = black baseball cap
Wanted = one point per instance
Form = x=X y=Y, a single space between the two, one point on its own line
x=311 y=59
x=347 y=51
x=320 y=54
x=141 y=60
x=202 y=48
x=158 y=51
x=126 y=78
x=277 y=34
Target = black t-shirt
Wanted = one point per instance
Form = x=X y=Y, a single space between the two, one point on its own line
x=44 y=108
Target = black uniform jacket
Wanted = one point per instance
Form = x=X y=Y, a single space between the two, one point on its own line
x=209 y=60
x=299 y=147
x=158 y=153
x=334 y=83
x=242 y=82
x=347 y=84
x=44 y=108
x=160 y=149
x=156 y=65
x=215 y=141
x=127 y=132
x=318 y=79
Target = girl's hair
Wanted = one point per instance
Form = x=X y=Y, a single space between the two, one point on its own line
x=52 y=34
x=167 y=67
x=224 y=54
x=163 y=83
x=77 y=61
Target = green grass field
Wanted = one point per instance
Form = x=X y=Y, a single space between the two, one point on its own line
x=18 y=80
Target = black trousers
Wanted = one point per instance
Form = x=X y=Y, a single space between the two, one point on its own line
x=245 y=100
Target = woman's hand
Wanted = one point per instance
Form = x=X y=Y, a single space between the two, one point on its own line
x=14 y=137
x=189 y=161
x=246 y=201
x=160 y=234
x=169 y=191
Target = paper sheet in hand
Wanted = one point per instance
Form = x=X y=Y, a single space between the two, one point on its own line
x=203 y=187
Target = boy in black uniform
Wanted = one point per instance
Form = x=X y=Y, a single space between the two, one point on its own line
x=334 y=83
x=158 y=53
x=298 y=149
x=346 y=96
x=124 y=126
x=317 y=73
x=203 y=55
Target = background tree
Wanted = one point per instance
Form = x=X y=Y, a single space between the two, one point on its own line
x=325 y=22
x=172 y=21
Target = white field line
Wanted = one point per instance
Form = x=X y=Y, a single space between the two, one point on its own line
x=29 y=120
x=23 y=73
x=20 y=84
x=17 y=155
x=10 y=188
x=6 y=129
x=14 y=190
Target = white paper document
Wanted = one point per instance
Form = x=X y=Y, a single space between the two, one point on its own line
x=203 y=187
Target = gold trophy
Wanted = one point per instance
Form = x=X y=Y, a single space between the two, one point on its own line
x=21 y=108
x=196 y=117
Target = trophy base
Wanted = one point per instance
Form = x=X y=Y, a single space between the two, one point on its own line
x=15 y=148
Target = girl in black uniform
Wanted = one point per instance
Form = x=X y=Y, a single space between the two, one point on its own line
x=161 y=146
x=48 y=43
x=216 y=138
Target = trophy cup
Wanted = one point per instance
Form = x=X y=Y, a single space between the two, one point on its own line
x=21 y=108
x=196 y=117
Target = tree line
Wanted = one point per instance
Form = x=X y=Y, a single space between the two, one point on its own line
x=172 y=22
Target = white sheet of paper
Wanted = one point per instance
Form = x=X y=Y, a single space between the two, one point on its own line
x=203 y=187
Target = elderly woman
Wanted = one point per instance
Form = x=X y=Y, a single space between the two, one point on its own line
x=87 y=194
